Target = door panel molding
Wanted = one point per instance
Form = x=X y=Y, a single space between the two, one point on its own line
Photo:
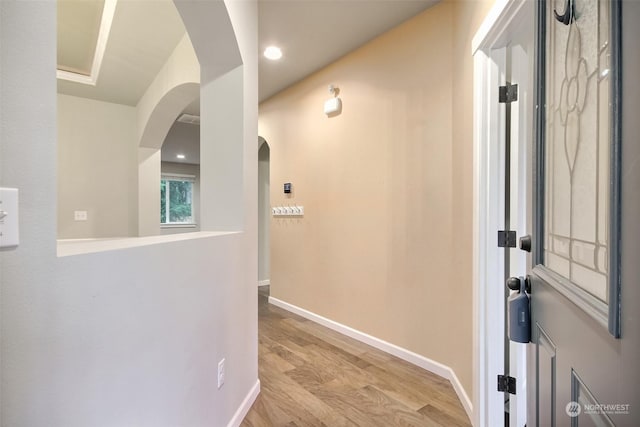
x=591 y=305
x=587 y=405
x=545 y=378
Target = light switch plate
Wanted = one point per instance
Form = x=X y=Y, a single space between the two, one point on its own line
x=9 y=235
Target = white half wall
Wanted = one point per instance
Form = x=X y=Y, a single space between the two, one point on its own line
x=121 y=337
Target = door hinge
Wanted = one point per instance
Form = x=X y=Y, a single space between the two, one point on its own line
x=507 y=383
x=508 y=93
x=506 y=239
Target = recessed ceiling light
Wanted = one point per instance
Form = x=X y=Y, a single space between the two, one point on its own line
x=273 y=53
x=180 y=156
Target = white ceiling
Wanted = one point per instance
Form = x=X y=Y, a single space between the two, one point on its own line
x=314 y=33
x=142 y=36
x=183 y=138
x=79 y=34
x=311 y=33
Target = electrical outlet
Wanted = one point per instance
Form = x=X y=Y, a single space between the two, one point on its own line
x=80 y=215
x=220 y=373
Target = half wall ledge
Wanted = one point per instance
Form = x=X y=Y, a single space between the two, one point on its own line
x=71 y=247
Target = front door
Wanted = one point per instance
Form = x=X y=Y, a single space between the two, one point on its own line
x=580 y=367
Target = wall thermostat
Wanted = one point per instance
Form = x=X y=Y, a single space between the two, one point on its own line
x=287 y=188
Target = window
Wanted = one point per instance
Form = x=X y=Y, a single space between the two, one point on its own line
x=176 y=199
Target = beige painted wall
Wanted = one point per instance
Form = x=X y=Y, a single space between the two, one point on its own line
x=97 y=169
x=385 y=244
x=469 y=14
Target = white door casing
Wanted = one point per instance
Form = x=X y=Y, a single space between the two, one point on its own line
x=503 y=50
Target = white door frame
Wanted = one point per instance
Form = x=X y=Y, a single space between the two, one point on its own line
x=496 y=31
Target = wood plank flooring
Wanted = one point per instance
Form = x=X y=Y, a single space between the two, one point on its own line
x=313 y=376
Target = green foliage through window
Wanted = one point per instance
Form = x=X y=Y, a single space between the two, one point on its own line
x=176 y=201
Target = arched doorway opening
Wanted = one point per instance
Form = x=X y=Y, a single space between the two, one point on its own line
x=264 y=213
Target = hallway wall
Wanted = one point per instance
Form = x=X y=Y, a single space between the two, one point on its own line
x=385 y=243
x=468 y=15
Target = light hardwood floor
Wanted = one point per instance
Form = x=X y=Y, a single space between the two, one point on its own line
x=313 y=376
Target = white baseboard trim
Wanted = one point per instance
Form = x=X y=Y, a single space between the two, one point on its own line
x=264 y=282
x=402 y=353
x=244 y=407
x=462 y=394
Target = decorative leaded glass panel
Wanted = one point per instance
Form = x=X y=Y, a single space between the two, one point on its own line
x=578 y=138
